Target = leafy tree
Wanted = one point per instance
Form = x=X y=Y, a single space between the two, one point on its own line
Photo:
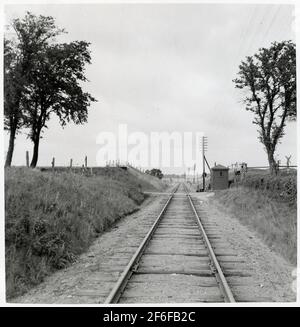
x=270 y=79
x=155 y=172
x=56 y=71
x=56 y=89
x=13 y=88
x=19 y=58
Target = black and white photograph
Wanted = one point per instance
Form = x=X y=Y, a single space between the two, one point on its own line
x=149 y=154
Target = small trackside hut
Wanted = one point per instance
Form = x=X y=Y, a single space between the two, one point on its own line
x=219 y=177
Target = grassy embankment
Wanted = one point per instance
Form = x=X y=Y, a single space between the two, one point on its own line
x=52 y=218
x=268 y=205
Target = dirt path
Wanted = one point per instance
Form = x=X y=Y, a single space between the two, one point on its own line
x=92 y=276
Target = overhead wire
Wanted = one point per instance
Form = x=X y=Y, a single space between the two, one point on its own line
x=271 y=22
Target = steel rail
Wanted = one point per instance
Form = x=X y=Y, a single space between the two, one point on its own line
x=228 y=296
x=121 y=283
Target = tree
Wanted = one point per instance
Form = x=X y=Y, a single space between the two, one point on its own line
x=56 y=89
x=19 y=59
x=270 y=78
x=56 y=71
x=155 y=172
x=13 y=74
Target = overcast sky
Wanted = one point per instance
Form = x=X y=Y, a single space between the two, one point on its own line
x=165 y=67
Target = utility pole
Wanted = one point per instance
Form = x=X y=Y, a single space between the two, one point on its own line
x=204 y=147
x=194 y=173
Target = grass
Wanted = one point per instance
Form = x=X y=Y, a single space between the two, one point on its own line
x=51 y=218
x=268 y=204
x=281 y=187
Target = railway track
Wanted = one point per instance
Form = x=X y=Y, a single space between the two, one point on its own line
x=176 y=261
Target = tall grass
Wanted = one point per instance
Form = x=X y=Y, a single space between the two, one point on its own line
x=269 y=206
x=281 y=187
x=51 y=218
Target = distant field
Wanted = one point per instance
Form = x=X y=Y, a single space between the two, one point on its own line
x=268 y=204
x=52 y=218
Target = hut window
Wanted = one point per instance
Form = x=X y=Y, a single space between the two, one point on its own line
x=220 y=173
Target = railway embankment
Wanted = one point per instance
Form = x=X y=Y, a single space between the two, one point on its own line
x=253 y=271
x=267 y=205
x=51 y=218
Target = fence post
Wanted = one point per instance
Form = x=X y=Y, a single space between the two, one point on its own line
x=288 y=160
x=85 y=161
x=53 y=164
x=243 y=172
x=27 y=158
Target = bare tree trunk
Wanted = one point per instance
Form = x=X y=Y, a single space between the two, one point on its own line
x=272 y=162
x=35 y=155
x=11 y=146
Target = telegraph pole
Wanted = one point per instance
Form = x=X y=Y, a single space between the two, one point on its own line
x=194 y=173
x=204 y=147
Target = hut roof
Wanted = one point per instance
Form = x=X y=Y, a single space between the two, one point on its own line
x=219 y=167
